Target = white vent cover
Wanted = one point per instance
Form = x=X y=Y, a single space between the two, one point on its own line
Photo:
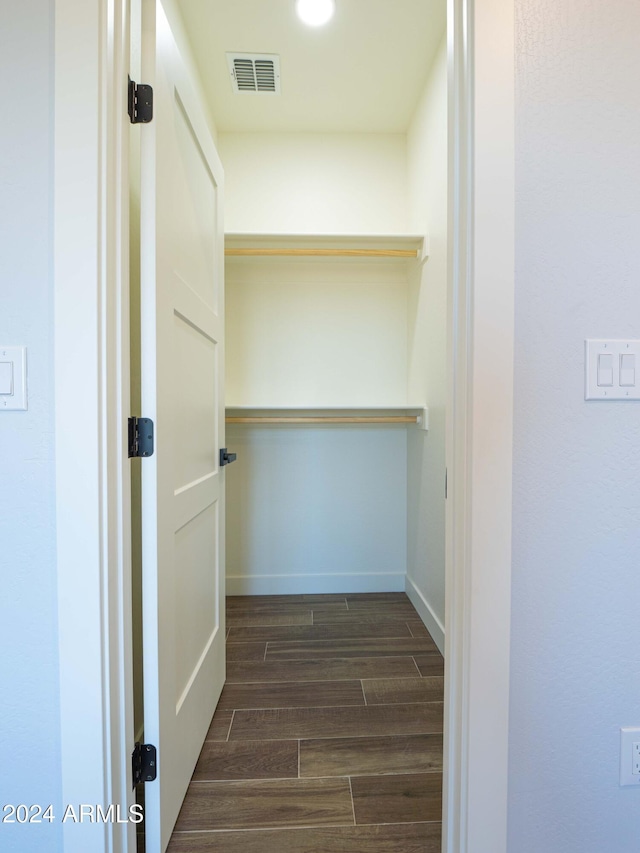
x=255 y=72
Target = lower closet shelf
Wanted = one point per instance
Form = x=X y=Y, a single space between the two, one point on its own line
x=402 y=415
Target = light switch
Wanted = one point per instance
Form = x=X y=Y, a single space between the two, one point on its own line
x=627 y=370
x=605 y=370
x=610 y=370
x=6 y=377
x=13 y=379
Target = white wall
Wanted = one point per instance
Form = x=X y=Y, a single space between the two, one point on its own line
x=427 y=356
x=30 y=770
x=576 y=531
x=316 y=510
x=316 y=333
x=335 y=183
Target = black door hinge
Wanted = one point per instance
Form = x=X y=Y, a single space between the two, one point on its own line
x=140 y=437
x=144 y=763
x=227 y=458
x=140 y=102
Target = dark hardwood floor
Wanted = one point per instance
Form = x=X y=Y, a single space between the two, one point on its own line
x=328 y=734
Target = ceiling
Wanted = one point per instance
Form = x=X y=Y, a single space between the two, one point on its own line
x=363 y=72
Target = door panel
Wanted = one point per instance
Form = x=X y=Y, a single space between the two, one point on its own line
x=194 y=211
x=195 y=416
x=182 y=298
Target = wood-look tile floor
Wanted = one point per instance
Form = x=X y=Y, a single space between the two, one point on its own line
x=328 y=734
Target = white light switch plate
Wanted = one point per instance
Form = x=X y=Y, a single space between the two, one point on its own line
x=602 y=354
x=630 y=757
x=16 y=401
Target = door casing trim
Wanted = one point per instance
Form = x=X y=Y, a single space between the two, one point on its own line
x=481 y=56
x=91 y=373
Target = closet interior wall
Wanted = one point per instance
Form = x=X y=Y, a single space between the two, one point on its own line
x=337 y=509
x=427 y=351
x=316 y=509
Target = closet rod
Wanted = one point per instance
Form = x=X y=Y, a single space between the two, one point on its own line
x=324 y=253
x=388 y=419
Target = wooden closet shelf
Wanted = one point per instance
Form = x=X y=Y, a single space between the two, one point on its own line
x=259 y=245
x=411 y=254
x=327 y=419
x=301 y=415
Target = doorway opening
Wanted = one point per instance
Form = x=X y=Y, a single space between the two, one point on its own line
x=336 y=280
x=482 y=73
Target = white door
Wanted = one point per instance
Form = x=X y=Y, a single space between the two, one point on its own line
x=182 y=308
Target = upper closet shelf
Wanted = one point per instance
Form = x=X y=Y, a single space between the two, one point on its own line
x=403 y=247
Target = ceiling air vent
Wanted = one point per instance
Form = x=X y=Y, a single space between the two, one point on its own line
x=255 y=72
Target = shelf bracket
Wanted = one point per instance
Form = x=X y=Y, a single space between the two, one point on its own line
x=423 y=419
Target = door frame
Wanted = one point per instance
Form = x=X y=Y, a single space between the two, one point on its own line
x=92 y=469
x=91 y=374
x=481 y=109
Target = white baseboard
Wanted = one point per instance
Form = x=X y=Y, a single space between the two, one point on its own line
x=434 y=625
x=314 y=584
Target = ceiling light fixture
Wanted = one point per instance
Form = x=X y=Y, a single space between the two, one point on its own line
x=315 y=13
